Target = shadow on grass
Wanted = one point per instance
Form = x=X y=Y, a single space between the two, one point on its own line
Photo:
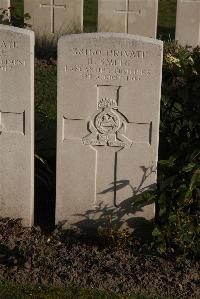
x=45 y=143
x=45 y=175
x=166 y=33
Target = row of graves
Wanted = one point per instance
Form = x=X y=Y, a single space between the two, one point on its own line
x=53 y=18
x=109 y=90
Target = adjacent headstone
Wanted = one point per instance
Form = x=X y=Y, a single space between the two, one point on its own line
x=17 y=123
x=4 y=5
x=188 y=23
x=108 y=125
x=137 y=17
x=52 y=18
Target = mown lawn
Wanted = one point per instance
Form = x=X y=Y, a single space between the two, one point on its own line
x=166 y=19
x=9 y=291
x=166 y=16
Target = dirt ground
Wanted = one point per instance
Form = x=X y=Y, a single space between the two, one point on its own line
x=61 y=258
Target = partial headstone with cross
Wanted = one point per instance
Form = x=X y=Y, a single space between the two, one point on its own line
x=188 y=23
x=17 y=124
x=52 y=18
x=4 y=10
x=108 y=122
x=137 y=17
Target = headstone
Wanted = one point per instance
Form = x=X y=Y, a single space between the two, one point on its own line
x=137 y=17
x=4 y=5
x=188 y=23
x=108 y=123
x=52 y=18
x=17 y=123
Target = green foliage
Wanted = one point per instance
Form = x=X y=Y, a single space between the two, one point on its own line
x=90 y=15
x=110 y=236
x=19 y=20
x=178 y=195
x=14 y=17
x=4 y=16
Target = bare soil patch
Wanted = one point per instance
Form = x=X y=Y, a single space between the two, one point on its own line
x=62 y=258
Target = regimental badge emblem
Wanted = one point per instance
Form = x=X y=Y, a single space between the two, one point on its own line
x=107 y=126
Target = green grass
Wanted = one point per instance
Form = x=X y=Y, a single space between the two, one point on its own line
x=90 y=15
x=46 y=89
x=10 y=291
x=166 y=19
x=18 y=4
x=166 y=16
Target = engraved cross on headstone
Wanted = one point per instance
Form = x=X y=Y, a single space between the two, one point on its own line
x=107 y=131
x=12 y=123
x=53 y=6
x=126 y=13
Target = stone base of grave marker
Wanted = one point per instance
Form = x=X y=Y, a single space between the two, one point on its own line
x=108 y=124
x=17 y=124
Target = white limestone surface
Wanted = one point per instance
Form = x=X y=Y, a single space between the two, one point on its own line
x=109 y=88
x=128 y=16
x=4 y=5
x=52 y=18
x=188 y=23
x=17 y=124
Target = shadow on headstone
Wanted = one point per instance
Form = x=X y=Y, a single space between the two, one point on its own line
x=121 y=216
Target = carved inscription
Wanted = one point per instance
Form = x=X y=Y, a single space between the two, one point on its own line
x=12 y=44
x=8 y=62
x=53 y=7
x=109 y=64
x=7 y=65
x=127 y=12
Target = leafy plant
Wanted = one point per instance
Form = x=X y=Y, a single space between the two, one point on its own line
x=178 y=194
x=12 y=17
x=110 y=236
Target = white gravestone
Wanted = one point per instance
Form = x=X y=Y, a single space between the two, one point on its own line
x=137 y=17
x=188 y=23
x=52 y=18
x=108 y=124
x=17 y=123
x=4 y=5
